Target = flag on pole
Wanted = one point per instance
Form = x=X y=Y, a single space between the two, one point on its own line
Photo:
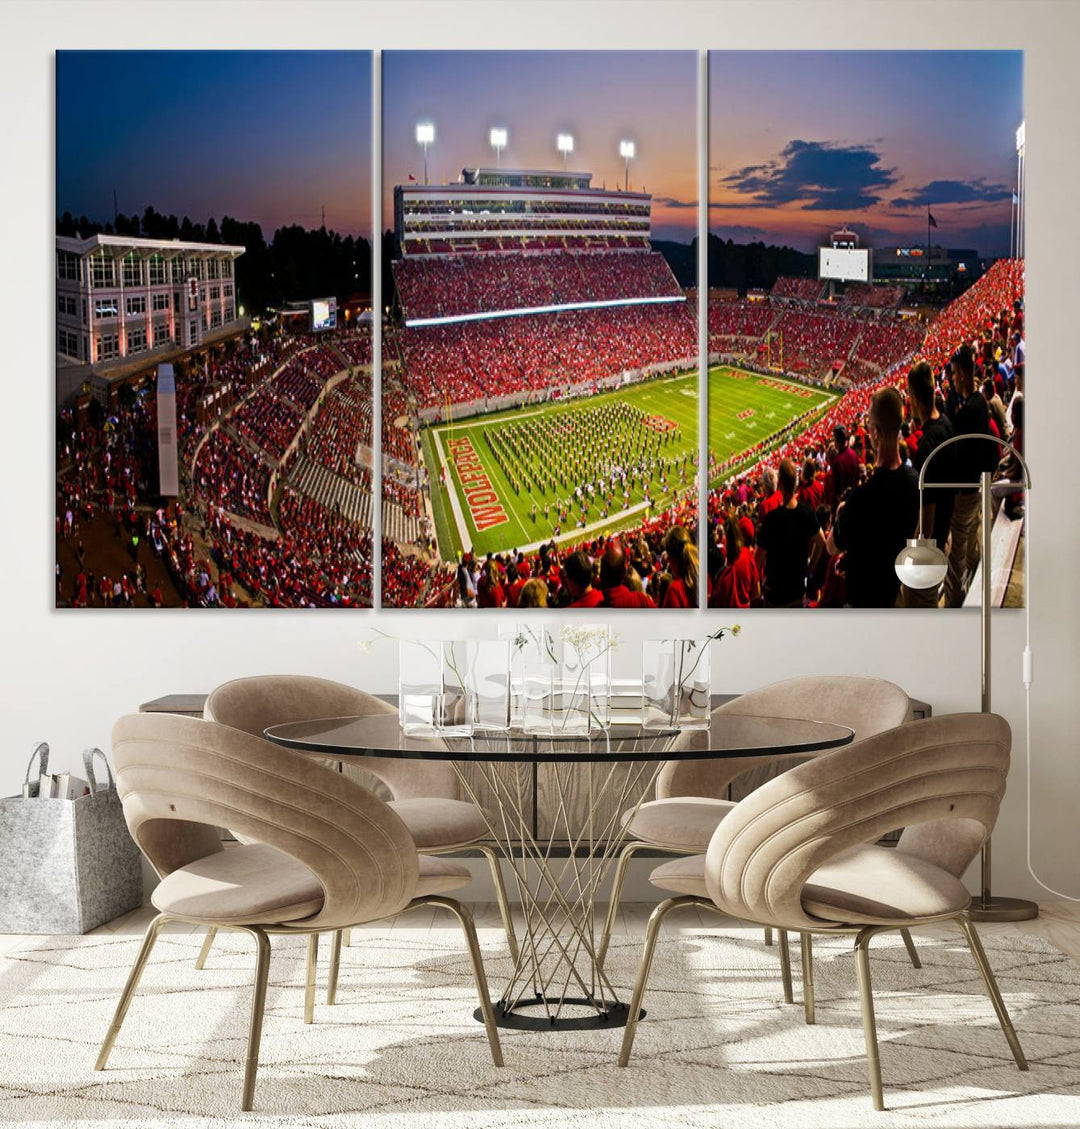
x=411 y=177
x=930 y=218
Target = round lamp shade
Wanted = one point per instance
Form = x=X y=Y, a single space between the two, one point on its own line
x=921 y=564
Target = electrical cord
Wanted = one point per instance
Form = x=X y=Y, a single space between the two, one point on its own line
x=1028 y=678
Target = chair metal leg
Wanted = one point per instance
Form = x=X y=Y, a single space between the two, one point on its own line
x=785 y=966
x=617 y=881
x=866 y=1002
x=134 y=976
x=912 y=952
x=806 y=951
x=335 y=965
x=346 y=937
x=494 y=861
x=651 y=934
x=207 y=945
x=309 y=992
x=463 y=914
x=992 y=990
x=258 y=1007
x=768 y=935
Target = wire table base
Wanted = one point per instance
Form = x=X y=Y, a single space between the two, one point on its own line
x=558 y=982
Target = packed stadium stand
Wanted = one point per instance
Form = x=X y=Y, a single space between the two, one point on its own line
x=253 y=525
x=987 y=318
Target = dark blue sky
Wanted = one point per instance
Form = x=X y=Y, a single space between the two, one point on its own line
x=269 y=136
x=802 y=141
x=600 y=97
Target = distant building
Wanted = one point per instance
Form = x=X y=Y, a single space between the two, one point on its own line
x=915 y=263
x=121 y=299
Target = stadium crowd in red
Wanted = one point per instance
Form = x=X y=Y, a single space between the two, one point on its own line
x=836 y=453
x=318 y=559
x=468 y=361
x=659 y=570
x=443 y=286
x=802 y=289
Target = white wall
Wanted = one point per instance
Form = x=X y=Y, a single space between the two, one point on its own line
x=65 y=677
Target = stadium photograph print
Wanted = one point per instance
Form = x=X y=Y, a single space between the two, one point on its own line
x=540 y=373
x=866 y=306
x=213 y=329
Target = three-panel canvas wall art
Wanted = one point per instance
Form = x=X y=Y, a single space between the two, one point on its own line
x=540 y=362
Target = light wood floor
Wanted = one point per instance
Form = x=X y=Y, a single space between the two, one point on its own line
x=1058 y=923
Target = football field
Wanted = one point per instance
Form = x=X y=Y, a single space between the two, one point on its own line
x=497 y=516
x=746 y=408
x=487 y=503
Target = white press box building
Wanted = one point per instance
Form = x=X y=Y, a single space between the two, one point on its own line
x=119 y=297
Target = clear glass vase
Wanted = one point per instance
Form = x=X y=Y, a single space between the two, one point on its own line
x=530 y=646
x=584 y=655
x=433 y=696
x=538 y=680
x=677 y=683
x=488 y=680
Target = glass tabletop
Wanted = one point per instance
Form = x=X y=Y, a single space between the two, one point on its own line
x=728 y=735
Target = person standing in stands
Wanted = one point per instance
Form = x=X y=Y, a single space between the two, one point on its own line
x=972 y=417
x=683 y=565
x=934 y=429
x=844 y=464
x=790 y=541
x=875 y=520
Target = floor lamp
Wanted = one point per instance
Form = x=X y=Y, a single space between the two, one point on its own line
x=921 y=564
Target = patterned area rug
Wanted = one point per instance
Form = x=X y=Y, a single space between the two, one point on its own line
x=719 y=1048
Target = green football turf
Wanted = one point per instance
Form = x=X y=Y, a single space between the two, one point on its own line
x=744 y=409
x=732 y=393
x=674 y=398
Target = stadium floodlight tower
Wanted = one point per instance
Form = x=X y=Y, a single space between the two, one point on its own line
x=498 y=143
x=425 y=135
x=565 y=144
x=626 y=151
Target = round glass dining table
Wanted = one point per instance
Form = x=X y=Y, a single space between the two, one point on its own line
x=558 y=806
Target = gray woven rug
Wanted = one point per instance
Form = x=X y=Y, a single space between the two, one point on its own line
x=719 y=1048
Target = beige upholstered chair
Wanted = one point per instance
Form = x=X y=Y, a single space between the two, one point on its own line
x=323 y=852
x=801 y=852
x=691 y=795
x=425 y=793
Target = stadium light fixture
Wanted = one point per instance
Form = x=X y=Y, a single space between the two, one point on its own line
x=425 y=135
x=626 y=151
x=565 y=144
x=498 y=143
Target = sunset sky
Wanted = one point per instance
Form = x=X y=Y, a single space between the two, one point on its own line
x=600 y=97
x=269 y=136
x=801 y=142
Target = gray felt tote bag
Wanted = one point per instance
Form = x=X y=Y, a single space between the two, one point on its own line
x=66 y=866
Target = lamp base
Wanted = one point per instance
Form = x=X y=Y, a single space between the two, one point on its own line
x=1002 y=909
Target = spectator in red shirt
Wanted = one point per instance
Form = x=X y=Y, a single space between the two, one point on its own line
x=613 y=577
x=578 y=574
x=739 y=582
x=683 y=564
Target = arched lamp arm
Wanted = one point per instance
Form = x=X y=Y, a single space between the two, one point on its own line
x=972 y=485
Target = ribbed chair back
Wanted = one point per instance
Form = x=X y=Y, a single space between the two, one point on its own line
x=254 y=704
x=945 y=775
x=867 y=705
x=181 y=777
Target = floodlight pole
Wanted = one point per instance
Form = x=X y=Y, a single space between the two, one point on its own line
x=425 y=163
